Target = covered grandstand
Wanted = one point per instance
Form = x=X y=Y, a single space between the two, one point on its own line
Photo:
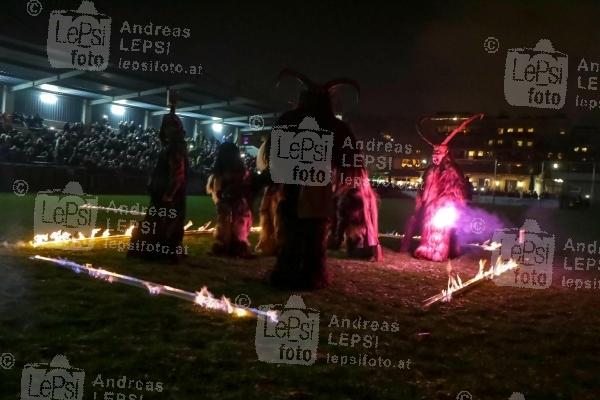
x=46 y=107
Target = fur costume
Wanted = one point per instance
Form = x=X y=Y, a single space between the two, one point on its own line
x=439 y=204
x=229 y=188
x=303 y=211
x=270 y=238
x=355 y=220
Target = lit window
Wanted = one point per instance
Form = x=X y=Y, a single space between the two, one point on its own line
x=500 y=141
x=550 y=155
x=471 y=153
x=510 y=130
x=500 y=131
x=562 y=132
x=519 y=143
x=529 y=144
x=520 y=130
x=480 y=153
x=584 y=149
x=490 y=142
x=576 y=149
x=530 y=130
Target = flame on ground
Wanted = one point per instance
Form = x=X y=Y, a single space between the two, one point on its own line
x=455 y=283
x=60 y=236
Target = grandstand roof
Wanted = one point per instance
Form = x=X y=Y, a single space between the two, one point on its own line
x=24 y=65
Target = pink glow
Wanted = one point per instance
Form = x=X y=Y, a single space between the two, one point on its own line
x=445 y=217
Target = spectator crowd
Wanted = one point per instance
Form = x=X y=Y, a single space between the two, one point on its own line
x=127 y=147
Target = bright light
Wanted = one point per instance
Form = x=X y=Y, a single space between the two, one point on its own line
x=587 y=196
x=50 y=88
x=217 y=128
x=482 y=189
x=338 y=116
x=117 y=110
x=48 y=98
x=424 y=161
x=105 y=116
x=497 y=183
x=445 y=217
x=558 y=180
x=555 y=166
x=121 y=101
x=519 y=184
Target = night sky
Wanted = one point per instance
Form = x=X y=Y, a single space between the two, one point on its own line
x=410 y=58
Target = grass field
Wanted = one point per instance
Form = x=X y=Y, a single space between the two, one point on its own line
x=491 y=342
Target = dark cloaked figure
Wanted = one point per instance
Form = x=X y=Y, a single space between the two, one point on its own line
x=303 y=211
x=229 y=187
x=160 y=235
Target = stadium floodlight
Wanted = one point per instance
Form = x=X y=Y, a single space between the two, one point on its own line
x=48 y=98
x=50 y=88
x=217 y=128
x=117 y=110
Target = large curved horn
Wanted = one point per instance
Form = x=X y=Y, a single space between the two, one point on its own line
x=418 y=126
x=332 y=84
x=461 y=127
x=303 y=79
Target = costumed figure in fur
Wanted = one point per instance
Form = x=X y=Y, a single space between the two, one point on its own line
x=229 y=187
x=163 y=225
x=439 y=204
x=355 y=219
x=303 y=211
x=270 y=239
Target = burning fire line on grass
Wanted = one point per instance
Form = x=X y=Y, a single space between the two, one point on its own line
x=62 y=237
x=457 y=286
x=202 y=298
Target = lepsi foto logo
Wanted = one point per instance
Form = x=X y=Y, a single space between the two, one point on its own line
x=293 y=338
x=532 y=249
x=56 y=381
x=61 y=211
x=536 y=77
x=79 y=38
x=301 y=155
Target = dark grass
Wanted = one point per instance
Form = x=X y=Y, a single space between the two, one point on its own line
x=492 y=341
